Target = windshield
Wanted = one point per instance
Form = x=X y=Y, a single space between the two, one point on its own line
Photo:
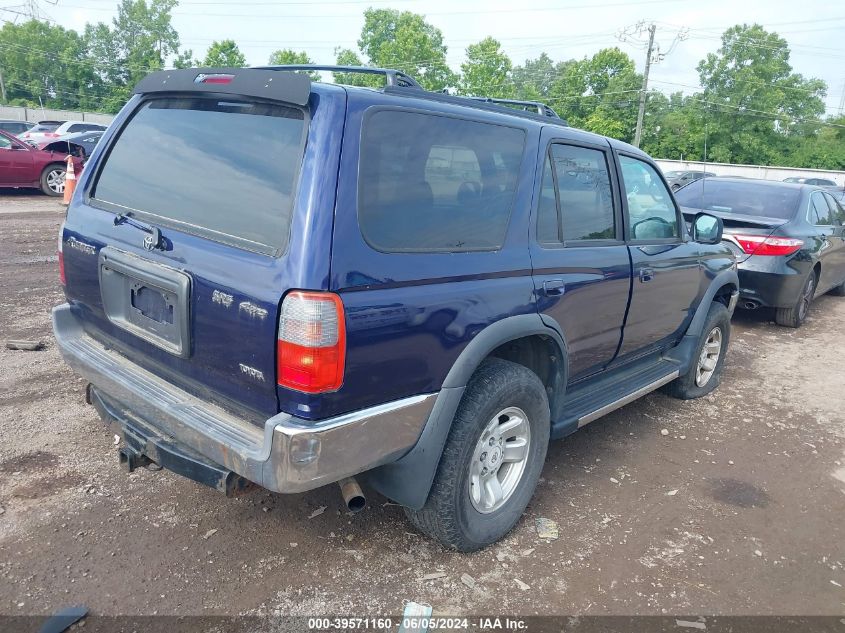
x=742 y=198
x=221 y=169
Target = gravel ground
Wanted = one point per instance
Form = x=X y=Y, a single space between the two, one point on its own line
x=738 y=510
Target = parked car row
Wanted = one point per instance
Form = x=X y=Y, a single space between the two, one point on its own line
x=23 y=165
x=34 y=155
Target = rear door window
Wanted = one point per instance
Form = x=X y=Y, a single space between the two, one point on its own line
x=836 y=213
x=225 y=170
x=819 y=211
x=430 y=183
x=584 y=209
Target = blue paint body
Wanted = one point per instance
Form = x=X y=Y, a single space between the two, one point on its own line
x=409 y=316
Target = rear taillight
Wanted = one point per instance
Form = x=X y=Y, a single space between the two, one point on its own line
x=312 y=342
x=61 y=254
x=51 y=134
x=761 y=245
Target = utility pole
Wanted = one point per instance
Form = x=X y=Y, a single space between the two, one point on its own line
x=654 y=55
x=641 y=114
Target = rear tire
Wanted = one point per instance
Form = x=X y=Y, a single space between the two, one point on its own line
x=795 y=315
x=53 y=179
x=465 y=510
x=706 y=372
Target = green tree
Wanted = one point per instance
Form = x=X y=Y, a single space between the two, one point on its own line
x=186 y=59
x=138 y=42
x=599 y=93
x=406 y=42
x=486 y=71
x=290 y=56
x=533 y=80
x=46 y=64
x=674 y=127
x=753 y=101
x=224 y=54
x=826 y=150
x=348 y=57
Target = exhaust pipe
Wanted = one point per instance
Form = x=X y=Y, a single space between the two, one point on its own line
x=750 y=305
x=352 y=494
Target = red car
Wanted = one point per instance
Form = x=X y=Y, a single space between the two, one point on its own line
x=22 y=165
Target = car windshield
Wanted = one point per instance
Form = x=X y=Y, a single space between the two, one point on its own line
x=741 y=198
x=672 y=174
x=41 y=127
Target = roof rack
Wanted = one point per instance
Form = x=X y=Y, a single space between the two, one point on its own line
x=392 y=77
x=397 y=79
x=540 y=108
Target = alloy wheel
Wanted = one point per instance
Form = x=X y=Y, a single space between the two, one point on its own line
x=709 y=357
x=499 y=459
x=56 y=180
x=806 y=297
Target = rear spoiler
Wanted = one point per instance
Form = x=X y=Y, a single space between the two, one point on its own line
x=289 y=87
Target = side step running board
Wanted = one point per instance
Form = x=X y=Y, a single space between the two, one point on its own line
x=595 y=415
x=589 y=402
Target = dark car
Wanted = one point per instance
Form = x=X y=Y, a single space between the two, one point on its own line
x=678 y=179
x=22 y=165
x=295 y=283
x=14 y=126
x=788 y=239
x=822 y=182
x=81 y=144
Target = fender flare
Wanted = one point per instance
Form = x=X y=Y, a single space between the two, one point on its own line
x=684 y=351
x=408 y=480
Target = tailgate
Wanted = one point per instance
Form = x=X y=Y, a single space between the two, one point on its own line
x=178 y=255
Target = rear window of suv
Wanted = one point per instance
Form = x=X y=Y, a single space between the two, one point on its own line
x=431 y=183
x=225 y=170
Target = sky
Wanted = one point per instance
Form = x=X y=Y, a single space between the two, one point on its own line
x=564 y=29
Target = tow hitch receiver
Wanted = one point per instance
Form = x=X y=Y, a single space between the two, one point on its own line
x=143 y=446
x=132 y=459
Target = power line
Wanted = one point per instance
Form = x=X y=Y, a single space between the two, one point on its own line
x=631 y=35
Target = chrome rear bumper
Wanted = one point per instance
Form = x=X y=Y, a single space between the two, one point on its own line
x=288 y=455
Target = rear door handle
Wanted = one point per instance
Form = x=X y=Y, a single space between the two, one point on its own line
x=646 y=274
x=553 y=287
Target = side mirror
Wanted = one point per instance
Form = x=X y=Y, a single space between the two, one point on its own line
x=707 y=229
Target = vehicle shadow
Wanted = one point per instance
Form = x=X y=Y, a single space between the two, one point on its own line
x=21 y=193
x=753 y=317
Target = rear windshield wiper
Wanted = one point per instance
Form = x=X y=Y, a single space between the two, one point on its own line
x=153 y=241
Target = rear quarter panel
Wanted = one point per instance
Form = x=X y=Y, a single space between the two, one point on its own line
x=410 y=315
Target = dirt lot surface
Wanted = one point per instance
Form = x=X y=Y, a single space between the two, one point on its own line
x=738 y=510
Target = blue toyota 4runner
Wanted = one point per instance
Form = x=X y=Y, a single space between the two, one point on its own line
x=290 y=283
